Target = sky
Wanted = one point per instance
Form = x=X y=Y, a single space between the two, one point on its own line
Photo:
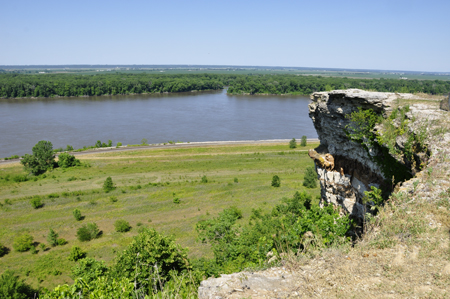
x=365 y=34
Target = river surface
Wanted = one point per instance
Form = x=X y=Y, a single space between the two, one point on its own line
x=202 y=116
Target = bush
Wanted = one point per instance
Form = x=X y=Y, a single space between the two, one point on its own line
x=204 y=179
x=20 y=178
x=76 y=253
x=236 y=180
x=33 y=250
x=176 y=200
x=122 y=226
x=11 y=287
x=77 y=215
x=36 y=202
x=150 y=256
x=52 y=238
x=61 y=242
x=108 y=185
x=303 y=142
x=66 y=160
x=293 y=143
x=88 y=232
x=113 y=199
x=310 y=179
x=23 y=243
x=119 y=143
x=276 y=182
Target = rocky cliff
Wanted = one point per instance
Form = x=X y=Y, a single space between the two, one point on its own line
x=359 y=164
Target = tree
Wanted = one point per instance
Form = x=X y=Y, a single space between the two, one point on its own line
x=150 y=256
x=3 y=250
x=66 y=160
x=23 y=243
x=41 y=159
x=108 y=185
x=52 y=238
x=310 y=179
x=76 y=253
x=293 y=143
x=276 y=182
x=77 y=215
x=13 y=288
x=303 y=142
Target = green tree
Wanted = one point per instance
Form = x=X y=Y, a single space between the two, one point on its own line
x=3 y=250
x=77 y=215
x=108 y=185
x=23 y=243
x=293 y=143
x=150 y=256
x=89 y=269
x=52 y=238
x=41 y=159
x=76 y=253
x=11 y=287
x=276 y=182
x=310 y=179
x=303 y=142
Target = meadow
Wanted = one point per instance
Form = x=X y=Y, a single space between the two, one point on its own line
x=205 y=180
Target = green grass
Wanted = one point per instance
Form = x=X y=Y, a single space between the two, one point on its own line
x=147 y=182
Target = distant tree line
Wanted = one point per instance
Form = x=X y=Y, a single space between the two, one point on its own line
x=292 y=84
x=51 y=85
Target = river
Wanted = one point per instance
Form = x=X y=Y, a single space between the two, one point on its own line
x=191 y=116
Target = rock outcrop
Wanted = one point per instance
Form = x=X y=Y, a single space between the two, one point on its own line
x=354 y=168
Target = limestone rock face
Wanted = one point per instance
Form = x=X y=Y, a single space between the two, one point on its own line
x=354 y=170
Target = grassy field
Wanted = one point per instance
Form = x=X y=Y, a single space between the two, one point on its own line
x=147 y=182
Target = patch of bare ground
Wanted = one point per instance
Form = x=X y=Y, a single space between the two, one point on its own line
x=405 y=252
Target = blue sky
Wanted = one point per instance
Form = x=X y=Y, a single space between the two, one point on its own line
x=395 y=34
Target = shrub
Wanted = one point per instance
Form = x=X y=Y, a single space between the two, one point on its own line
x=52 y=238
x=303 y=142
x=236 y=180
x=150 y=252
x=43 y=247
x=293 y=143
x=61 y=242
x=276 y=182
x=69 y=148
x=122 y=226
x=113 y=199
x=108 y=185
x=66 y=160
x=77 y=215
x=76 y=253
x=204 y=179
x=53 y=195
x=33 y=250
x=11 y=287
x=23 y=243
x=310 y=179
x=20 y=178
x=88 y=232
x=119 y=143
x=36 y=202
x=176 y=200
